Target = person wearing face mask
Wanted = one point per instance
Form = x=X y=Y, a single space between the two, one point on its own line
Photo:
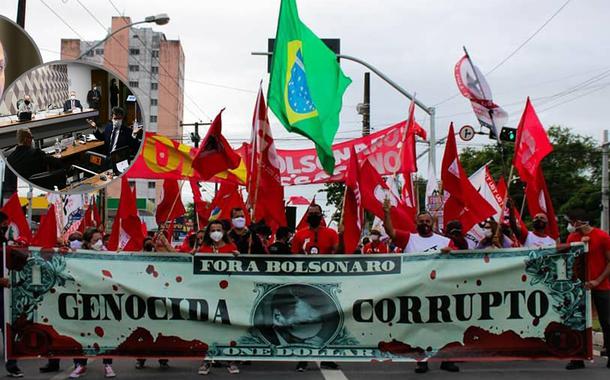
x=375 y=245
x=75 y=240
x=116 y=134
x=94 y=96
x=92 y=239
x=281 y=246
x=26 y=108
x=244 y=239
x=216 y=240
x=598 y=270
x=315 y=238
x=454 y=232
x=72 y=103
x=538 y=237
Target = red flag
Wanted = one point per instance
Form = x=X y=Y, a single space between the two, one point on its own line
x=374 y=190
x=227 y=198
x=265 y=188
x=92 y=217
x=464 y=203
x=215 y=154
x=46 y=237
x=126 y=234
x=352 y=217
x=532 y=144
x=303 y=222
x=298 y=200
x=202 y=208
x=18 y=224
x=408 y=153
x=539 y=201
x=171 y=206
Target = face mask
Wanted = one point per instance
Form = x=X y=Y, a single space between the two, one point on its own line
x=423 y=229
x=116 y=123
x=75 y=244
x=374 y=237
x=216 y=236
x=98 y=245
x=539 y=224
x=73 y=97
x=571 y=228
x=27 y=102
x=239 y=222
x=488 y=233
x=314 y=220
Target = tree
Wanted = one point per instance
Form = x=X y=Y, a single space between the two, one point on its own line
x=572 y=171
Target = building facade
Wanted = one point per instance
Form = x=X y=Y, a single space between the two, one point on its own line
x=153 y=67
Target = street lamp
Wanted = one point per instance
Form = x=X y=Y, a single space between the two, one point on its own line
x=160 y=19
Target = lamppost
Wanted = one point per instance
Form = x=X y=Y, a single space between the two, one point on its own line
x=160 y=19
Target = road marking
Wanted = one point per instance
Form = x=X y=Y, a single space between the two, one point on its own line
x=331 y=374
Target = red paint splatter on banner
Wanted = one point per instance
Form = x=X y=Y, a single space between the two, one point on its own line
x=223 y=284
x=45 y=320
x=53 y=290
x=536 y=321
x=232 y=343
x=178 y=278
x=400 y=348
x=479 y=282
x=155 y=274
x=433 y=275
x=486 y=259
x=99 y=331
x=39 y=339
x=524 y=278
x=142 y=342
x=166 y=284
x=115 y=288
x=150 y=269
x=106 y=273
x=96 y=346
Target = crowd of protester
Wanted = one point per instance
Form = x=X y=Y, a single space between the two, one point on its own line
x=235 y=237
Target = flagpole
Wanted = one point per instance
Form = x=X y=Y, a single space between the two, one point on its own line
x=402 y=146
x=259 y=165
x=171 y=210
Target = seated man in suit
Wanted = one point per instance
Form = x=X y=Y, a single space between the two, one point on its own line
x=26 y=108
x=72 y=103
x=117 y=134
x=27 y=160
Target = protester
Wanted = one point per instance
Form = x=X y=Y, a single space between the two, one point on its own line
x=492 y=236
x=538 y=237
x=598 y=268
x=454 y=232
x=424 y=241
x=92 y=239
x=375 y=245
x=243 y=238
x=281 y=246
x=75 y=240
x=161 y=241
x=315 y=239
x=216 y=240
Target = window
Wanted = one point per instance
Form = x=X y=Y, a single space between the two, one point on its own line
x=134 y=68
x=99 y=51
x=153 y=118
x=154 y=70
x=154 y=86
x=134 y=51
x=134 y=84
x=155 y=53
x=152 y=185
x=90 y=53
x=153 y=102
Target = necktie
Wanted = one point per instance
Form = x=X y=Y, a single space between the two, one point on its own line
x=114 y=139
x=72 y=105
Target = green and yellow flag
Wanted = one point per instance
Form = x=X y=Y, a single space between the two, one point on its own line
x=307 y=84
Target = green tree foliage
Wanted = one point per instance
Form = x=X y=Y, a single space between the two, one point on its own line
x=572 y=171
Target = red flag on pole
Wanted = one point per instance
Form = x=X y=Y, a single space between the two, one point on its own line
x=202 y=208
x=171 y=206
x=303 y=222
x=126 y=234
x=46 y=237
x=374 y=190
x=91 y=218
x=227 y=198
x=408 y=152
x=215 y=154
x=464 y=203
x=265 y=189
x=352 y=217
x=539 y=201
x=532 y=144
x=19 y=229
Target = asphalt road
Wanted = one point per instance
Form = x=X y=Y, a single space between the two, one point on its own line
x=187 y=369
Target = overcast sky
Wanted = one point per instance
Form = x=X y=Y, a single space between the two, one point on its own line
x=416 y=43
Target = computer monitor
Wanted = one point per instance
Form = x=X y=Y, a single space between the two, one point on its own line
x=25 y=116
x=119 y=159
x=96 y=162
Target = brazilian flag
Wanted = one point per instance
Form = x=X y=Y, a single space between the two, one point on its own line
x=307 y=84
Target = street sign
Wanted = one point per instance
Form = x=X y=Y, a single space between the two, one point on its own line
x=466 y=133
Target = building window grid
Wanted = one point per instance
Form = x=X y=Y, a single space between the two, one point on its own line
x=134 y=51
x=153 y=102
x=134 y=84
x=153 y=118
x=134 y=68
x=154 y=86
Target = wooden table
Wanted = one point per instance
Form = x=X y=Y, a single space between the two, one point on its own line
x=50 y=126
x=79 y=148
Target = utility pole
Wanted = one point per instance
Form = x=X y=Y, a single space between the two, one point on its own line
x=364 y=108
x=21 y=13
x=605 y=185
x=195 y=138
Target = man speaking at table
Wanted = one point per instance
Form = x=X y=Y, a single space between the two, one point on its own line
x=117 y=134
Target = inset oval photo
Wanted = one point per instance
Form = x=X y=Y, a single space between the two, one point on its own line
x=69 y=126
x=18 y=52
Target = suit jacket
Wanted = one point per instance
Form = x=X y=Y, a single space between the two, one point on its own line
x=125 y=138
x=27 y=161
x=93 y=98
x=68 y=105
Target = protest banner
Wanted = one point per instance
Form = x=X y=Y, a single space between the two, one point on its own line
x=509 y=304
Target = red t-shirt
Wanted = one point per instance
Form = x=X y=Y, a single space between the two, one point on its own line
x=227 y=248
x=599 y=244
x=375 y=247
x=311 y=242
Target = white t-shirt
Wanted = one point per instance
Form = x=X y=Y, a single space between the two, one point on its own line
x=418 y=243
x=535 y=241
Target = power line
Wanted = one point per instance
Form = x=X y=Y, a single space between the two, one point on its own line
x=115 y=8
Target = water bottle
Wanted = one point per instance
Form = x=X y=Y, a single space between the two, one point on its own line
x=57 y=146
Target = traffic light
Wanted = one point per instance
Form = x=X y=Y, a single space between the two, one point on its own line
x=508 y=134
